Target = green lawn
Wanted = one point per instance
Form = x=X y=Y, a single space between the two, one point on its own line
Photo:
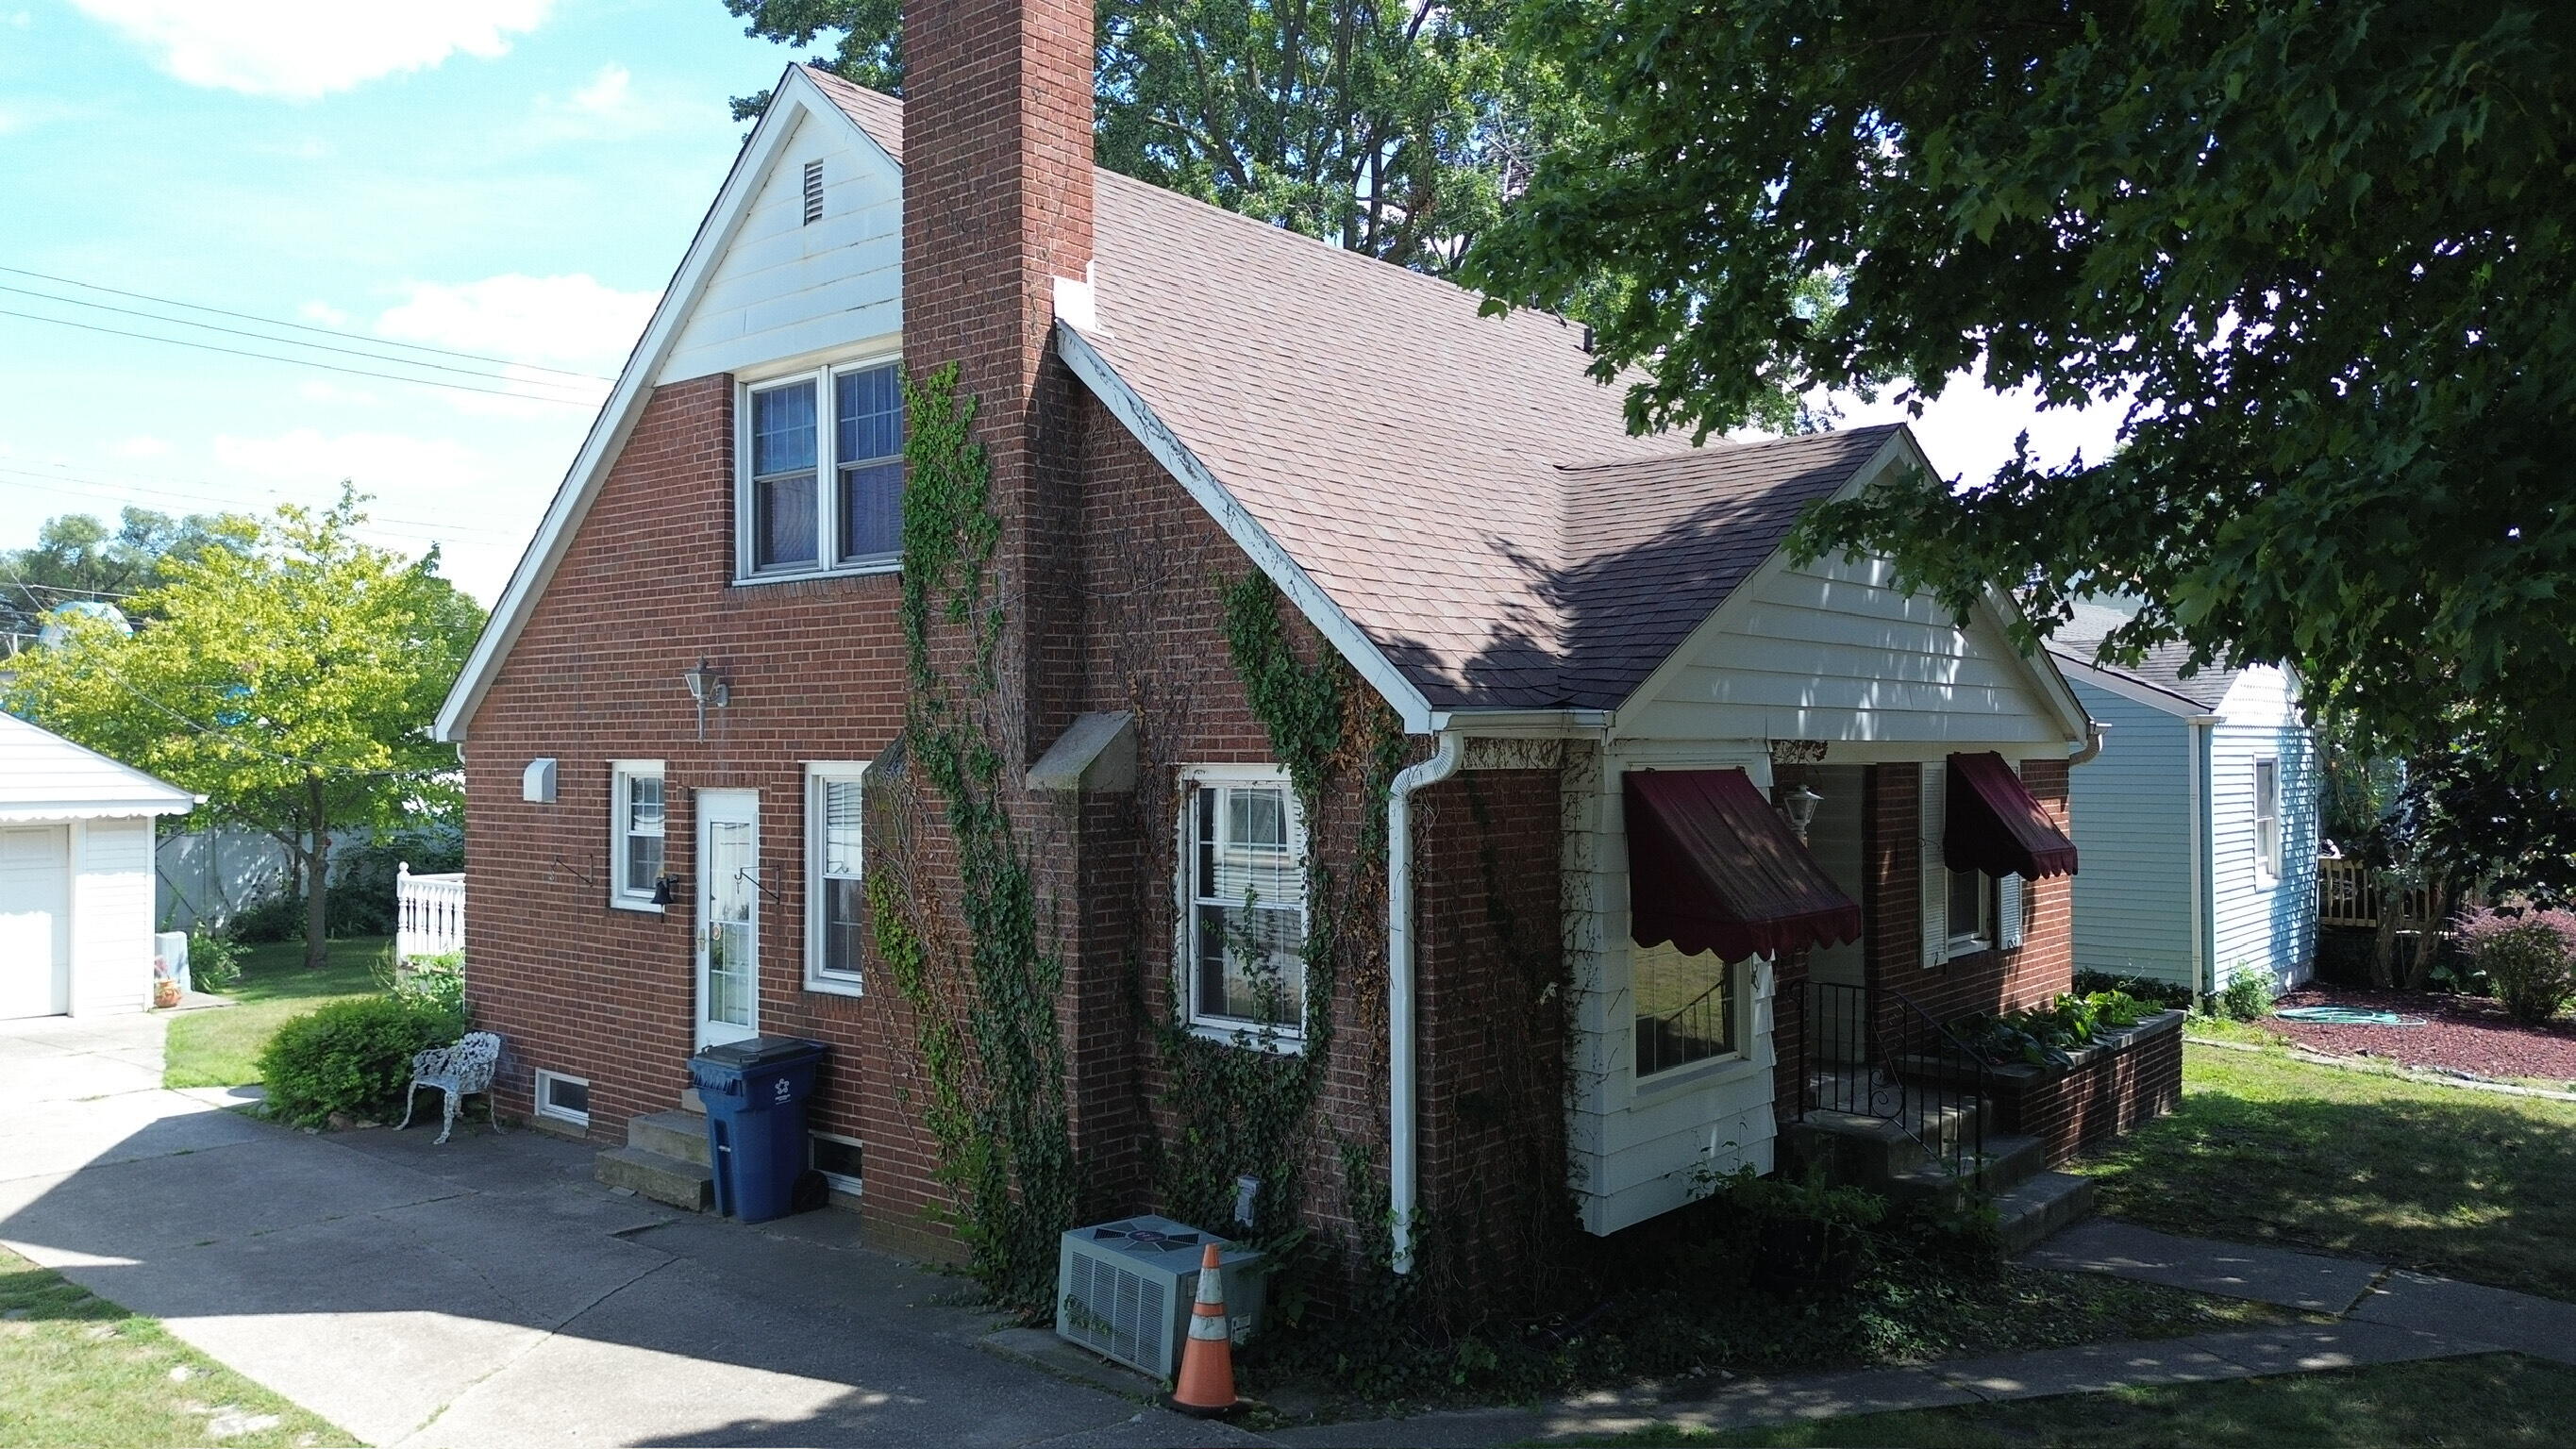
x=2477 y=1185
x=220 y=1048
x=78 y=1370
x=2494 y=1399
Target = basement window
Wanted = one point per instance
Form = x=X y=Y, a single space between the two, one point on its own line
x=838 y=1159
x=820 y=462
x=562 y=1098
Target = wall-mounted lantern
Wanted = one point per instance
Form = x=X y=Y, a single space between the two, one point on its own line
x=663 y=885
x=707 y=687
x=1800 y=805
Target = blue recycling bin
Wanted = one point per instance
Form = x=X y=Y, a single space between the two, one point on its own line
x=755 y=1094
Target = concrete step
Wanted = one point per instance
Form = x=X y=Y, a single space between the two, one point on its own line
x=664 y=1179
x=2034 y=1209
x=1873 y=1151
x=673 y=1134
x=2009 y=1160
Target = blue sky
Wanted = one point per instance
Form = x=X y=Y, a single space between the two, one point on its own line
x=509 y=178
x=512 y=179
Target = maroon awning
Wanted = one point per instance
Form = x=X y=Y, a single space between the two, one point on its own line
x=1995 y=826
x=1712 y=867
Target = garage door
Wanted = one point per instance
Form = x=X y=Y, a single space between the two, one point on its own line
x=35 y=921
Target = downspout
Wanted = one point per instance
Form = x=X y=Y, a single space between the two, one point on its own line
x=2096 y=735
x=1399 y=986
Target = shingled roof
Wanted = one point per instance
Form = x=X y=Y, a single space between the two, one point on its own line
x=1456 y=484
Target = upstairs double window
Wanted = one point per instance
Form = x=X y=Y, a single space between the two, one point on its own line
x=821 y=467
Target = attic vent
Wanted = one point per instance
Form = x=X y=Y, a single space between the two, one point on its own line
x=813 y=192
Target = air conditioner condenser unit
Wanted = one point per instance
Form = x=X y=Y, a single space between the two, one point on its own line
x=1124 y=1290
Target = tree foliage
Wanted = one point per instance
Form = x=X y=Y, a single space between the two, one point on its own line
x=290 y=678
x=1391 y=127
x=2318 y=250
x=76 y=556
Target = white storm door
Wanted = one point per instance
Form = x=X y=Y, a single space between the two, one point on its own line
x=728 y=915
x=35 y=922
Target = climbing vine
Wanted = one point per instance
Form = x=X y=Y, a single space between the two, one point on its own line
x=979 y=984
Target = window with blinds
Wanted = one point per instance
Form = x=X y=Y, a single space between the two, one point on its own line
x=836 y=908
x=1246 y=892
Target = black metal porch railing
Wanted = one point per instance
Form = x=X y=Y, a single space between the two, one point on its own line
x=1880 y=1054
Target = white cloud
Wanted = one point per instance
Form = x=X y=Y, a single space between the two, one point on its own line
x=304 y=49
x=610 y=106
x=573 y=321
x=319 y=391
x=141 y=447
x=323 y=313
x=610 y=91
x=404 y=473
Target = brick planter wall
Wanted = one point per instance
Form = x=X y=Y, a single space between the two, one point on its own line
x=2127 y=1079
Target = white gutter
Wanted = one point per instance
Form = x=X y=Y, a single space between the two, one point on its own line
x=1401 y=1186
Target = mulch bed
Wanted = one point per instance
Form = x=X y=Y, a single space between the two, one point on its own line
x=2461 y=1033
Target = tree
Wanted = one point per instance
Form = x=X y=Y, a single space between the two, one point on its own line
x=291 y=680
x=2319 y=252
x=76 y=556
x=1391 y=127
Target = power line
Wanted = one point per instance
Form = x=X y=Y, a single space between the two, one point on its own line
x=218 y=499
x=280 y=341
x=295 y=361
x=298 y=326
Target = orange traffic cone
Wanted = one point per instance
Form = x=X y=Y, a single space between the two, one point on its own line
x=1206 y=1388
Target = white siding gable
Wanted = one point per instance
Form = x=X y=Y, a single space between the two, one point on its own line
x=1835 y=651
x=2263 y=695
x=783 y=290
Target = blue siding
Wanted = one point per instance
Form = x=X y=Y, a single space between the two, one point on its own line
x=2133 y=839
x=2263 y=925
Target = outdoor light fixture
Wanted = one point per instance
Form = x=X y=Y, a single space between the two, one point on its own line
x=707 y=687
x=1801 y=804
x=662 y=885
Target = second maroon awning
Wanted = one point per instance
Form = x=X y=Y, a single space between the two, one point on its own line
x=1712 y=867
x=1996 y=826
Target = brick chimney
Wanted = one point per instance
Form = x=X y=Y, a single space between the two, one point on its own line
x=997 y=200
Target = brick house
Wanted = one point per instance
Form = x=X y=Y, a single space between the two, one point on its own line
x=1584 y=650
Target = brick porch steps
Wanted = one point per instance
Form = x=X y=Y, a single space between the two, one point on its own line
x=1892 y=1157
x=665 y=1158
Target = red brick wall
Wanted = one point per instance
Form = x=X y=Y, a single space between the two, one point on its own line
x=2043 y=965
x=816 y=672
x=2107 y=1094
x=1492 y=1011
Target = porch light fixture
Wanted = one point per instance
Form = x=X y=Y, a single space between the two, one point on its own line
x=663 y=886
x=1800 y=806
x=707 y=687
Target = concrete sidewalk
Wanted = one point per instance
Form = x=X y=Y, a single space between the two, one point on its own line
x=489 y=1292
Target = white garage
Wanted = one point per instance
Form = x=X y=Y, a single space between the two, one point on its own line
x=76 y=881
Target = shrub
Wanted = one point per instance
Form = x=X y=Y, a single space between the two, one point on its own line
x=2040 y=1035
x=277 y=916
x=2529 y=956
x=438 y=980
x=350 y=1056
x=214 y=962
x=2246 y=997
x=363 y=879
x=2144 y=988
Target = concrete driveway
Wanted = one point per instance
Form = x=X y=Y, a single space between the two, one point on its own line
x=489 y=1292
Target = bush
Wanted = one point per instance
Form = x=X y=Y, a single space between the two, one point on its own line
x=2040 y=1035
x=438 y=980
x=351 y=1056
x=2529 y=957
x=2246 y=997
x=362 y=880
x=277 y=916
x=214 y=962
x=2144 y=988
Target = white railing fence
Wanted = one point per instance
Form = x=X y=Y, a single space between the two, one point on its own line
x=430 y=910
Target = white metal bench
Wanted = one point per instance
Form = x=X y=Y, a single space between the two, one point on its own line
x=460 y=1071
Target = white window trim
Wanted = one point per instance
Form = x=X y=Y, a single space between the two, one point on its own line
x=552 y=1113
x=818 y=773
x=1969 y=943
x=2265 y=872
x=1281 y=1039
x=619 y=772
x=827 y=470
x=1736 y=1063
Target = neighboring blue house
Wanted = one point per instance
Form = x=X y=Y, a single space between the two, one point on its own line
x=2199 y=821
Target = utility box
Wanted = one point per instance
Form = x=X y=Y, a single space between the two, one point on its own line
x=1124 y=1290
